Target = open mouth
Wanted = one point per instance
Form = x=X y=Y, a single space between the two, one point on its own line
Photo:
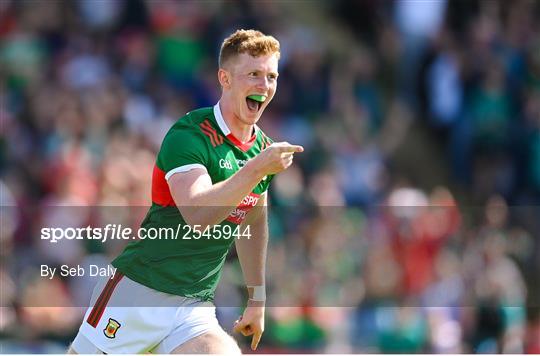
x=254 y=102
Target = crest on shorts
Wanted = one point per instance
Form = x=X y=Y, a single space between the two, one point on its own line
x=111 y=328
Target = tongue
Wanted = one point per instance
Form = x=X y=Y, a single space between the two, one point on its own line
x=252 y=104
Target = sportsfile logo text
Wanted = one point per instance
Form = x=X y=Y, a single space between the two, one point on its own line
x=119 y=232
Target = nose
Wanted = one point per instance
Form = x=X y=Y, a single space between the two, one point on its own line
x=263 y=83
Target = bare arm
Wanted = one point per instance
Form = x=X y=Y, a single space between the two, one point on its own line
x=252 y=257
x=252 y=251
x=194 y=189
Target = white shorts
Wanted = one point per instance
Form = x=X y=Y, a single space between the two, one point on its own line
x=127 y=317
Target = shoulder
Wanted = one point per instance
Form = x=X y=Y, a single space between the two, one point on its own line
x=186 y=137
x=189 y=125
x=193 y=118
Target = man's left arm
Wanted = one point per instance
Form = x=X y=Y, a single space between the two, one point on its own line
x=252 y=256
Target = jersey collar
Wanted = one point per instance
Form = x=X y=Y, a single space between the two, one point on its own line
x=227 y=132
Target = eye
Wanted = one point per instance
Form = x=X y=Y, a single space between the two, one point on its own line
x=272 y=76
x=252 y=74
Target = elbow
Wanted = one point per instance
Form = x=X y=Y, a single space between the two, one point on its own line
x=191 y=216
x=189 y=210
x=196 y=217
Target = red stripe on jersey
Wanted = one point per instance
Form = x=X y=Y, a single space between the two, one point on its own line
x=209 y=135
x=101 y=303
x=161 y=194
x=265 y=141
x=217 y=137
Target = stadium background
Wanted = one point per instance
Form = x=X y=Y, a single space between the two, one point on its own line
x=400 y=105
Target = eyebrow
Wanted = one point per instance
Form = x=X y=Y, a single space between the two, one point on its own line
x=260 y=70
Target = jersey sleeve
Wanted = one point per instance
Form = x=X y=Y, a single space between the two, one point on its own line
x=265 y=183
x=182 y=151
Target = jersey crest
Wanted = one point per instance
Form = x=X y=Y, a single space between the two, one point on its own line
x=111 y=328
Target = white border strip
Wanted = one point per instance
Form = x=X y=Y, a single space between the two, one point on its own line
x=221 y=122
x=182 y=169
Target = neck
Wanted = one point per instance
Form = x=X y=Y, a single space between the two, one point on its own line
x=239 y=129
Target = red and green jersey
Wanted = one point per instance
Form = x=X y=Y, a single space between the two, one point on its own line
x=190 y=267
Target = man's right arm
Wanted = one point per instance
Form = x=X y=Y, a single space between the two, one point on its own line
x=194 y=189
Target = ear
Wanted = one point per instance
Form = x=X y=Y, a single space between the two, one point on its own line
x=224 y=78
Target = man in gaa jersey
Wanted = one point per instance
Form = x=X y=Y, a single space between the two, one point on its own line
x=211 y=174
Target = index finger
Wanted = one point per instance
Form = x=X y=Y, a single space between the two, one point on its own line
x=291 y=148
x=255 y=340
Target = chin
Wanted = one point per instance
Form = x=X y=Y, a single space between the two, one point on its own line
x=252 y=118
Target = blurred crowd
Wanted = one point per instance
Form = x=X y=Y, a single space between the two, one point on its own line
x=409 y=224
